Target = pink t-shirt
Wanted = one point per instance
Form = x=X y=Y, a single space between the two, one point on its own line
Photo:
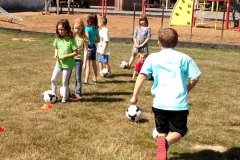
x=138 y=66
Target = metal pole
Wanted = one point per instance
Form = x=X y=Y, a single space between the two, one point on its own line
x=134 y=6
x=224 y=8
x=191 y=26
x=45 y=7
x=162 y=17
x=57 y=7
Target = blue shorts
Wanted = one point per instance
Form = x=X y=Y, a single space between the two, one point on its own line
x=91 y=52
x=102 y=58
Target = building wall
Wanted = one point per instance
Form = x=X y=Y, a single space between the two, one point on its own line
x=22 y=4
x=98 y=2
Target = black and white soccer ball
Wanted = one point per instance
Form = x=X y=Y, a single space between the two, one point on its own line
x=105 y=73
x=155 y=134
x=124 y=64
x=69 y=93
x=49 y=97
x=134 y=113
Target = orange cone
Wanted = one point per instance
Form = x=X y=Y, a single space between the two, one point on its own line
x=1 y=129
x=47 y=106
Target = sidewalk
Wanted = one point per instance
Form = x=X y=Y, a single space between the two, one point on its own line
x=150 y=12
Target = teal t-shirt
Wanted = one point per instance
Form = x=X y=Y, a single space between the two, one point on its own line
x=65 y=46
x=92 y=34
x=170 y=70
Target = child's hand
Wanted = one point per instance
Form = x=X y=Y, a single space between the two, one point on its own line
x=55 y=57
x=134 y=100
x=84 y=66
x=62 y=58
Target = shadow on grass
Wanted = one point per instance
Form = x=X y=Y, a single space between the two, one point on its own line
x=117 y=81
x=231 y=154
x=123 y=75
x=108 y=93
x=143 y=120
x=97 y=99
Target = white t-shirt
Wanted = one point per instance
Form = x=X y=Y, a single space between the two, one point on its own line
x=104 y=36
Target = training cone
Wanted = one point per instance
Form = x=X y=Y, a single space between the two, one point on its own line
x=1 y=129
x=47 y=106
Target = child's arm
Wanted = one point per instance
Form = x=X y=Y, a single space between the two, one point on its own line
x=138 y=85
x=85 y=55
x=145 y=42
x=75 y=52
x=192 y=84
x=97 y=40
x=134 y=75
x=56 y=53
x=105 y=44
x=135 y=42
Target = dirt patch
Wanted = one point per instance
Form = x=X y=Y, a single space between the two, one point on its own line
x=122 y=26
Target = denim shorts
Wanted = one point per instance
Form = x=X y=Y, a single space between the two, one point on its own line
x=91 y=52
x=102 y=58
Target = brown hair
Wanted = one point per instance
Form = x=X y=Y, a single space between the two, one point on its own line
x=66 y=26
x=103 y=20
x=143 y=53
x=168 y=37
x=78 y=21
x=143 y=17
x=92 y=20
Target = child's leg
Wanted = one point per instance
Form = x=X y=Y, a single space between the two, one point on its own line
x=78 y=77
x=94 y=65
x=100 y=62
x=87 y=71
x=108 y=67
x=65 y=77
x=56 y=72
x=132 y=59
x=100 y=66
x=173 y=137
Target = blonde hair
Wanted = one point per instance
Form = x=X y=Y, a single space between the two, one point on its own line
x=79 y=22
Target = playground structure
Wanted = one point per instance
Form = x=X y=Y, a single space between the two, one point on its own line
x=10 y=16
x=185 y=13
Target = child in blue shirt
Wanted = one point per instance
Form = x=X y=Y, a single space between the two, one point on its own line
x=92 y=34
x=170 y=69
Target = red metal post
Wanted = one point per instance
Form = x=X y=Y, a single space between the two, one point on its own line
x=227 y=14
x=239 y=25
x=144 y=6
x=104 y=8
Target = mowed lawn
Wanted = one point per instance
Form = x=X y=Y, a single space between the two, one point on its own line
x=96 y=128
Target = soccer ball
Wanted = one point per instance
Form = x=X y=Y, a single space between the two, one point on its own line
x=134 y=113
x=124 y=64
x=49 y=97
x=105 y=73
x=155 y=134
x=69 y=93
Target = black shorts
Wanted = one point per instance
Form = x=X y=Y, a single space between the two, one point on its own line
x=171 y=121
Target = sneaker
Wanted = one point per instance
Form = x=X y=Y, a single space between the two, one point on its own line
x=161 y=153
x=78 y=96
x=85 y=83
x=94 y=81
x=63 y=102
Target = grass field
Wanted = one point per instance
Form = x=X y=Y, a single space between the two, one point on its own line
x=96 y=128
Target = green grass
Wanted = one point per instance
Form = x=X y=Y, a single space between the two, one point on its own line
x=96 y=128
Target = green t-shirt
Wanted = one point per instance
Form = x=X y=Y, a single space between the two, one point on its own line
x=80 y=43
x=65 y=46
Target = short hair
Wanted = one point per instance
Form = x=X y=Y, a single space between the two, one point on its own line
x=66 y=26
x=143 y=53
x=103 y=20
x=168 y=37
x=143 y=17
x=92 y=20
